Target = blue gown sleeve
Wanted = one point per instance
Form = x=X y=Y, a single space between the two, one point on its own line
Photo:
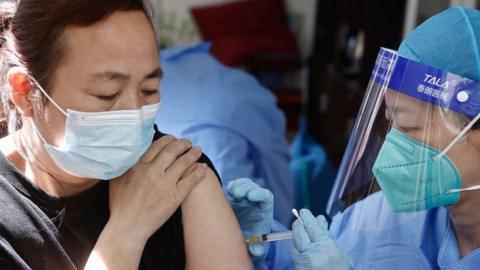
x=228 y=151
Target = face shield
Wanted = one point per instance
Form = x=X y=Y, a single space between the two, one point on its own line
x=412 y=127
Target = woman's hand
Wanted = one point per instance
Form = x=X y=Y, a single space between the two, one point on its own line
x=145 y=197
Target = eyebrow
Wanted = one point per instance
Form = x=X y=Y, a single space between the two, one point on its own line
x=117 y=76
x=157 y=73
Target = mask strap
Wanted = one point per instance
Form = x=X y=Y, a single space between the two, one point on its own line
x=38 y=132
x=456 y=190
x=457 y=138
x=47 y=96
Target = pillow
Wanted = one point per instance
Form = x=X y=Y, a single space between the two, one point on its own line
x=245 y=29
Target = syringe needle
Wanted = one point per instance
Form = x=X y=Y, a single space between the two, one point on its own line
x=270 y=237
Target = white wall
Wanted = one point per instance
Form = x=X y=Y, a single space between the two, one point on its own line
x=465 y=3
x=303 y=15
x=421 y=9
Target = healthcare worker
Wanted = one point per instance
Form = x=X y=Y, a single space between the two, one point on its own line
x=407 y=193
x=231 y=116
x=82 y=186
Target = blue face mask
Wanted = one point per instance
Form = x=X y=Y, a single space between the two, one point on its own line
x=414 y=176
x=102 y=145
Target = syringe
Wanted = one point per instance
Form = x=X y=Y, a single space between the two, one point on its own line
x=270 y=237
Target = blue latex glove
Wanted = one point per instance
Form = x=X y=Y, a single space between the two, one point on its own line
x=253 y=207
x=314 y=248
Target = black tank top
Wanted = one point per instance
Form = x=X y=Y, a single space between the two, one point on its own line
x=40 y=231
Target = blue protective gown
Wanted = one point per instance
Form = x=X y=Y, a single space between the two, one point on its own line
x=374 y=237
x=231 y=117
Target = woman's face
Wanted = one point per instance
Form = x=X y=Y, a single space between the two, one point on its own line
x=111 y=65
x=424 y=122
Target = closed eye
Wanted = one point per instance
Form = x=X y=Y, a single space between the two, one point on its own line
x=409 y=129
x=150 y=92
x=108 y=98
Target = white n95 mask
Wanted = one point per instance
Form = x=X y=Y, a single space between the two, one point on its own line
x=102 y=145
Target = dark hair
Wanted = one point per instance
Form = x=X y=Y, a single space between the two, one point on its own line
x=31 y=34
x=38 y=26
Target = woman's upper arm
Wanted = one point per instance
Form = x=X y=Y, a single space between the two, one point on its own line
x=213 y=239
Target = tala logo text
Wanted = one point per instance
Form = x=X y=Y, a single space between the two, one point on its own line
x=430 y=79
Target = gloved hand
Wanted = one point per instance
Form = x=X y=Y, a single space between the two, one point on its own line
x=253 y=207
x=314 y=248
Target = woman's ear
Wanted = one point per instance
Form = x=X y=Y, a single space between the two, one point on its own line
x=21 y=87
